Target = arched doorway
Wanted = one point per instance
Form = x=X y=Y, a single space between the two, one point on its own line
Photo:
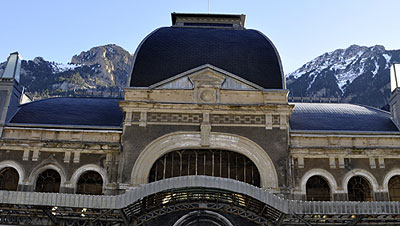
x=208 y=162
x=48 y=181
x=9 y=179
x=317 y=189
x=90 y=182
x=359 y=189
x=394 y=188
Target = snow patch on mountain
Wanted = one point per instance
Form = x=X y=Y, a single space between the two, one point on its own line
x=388 y=58
x=376 y=69
x=60 y=67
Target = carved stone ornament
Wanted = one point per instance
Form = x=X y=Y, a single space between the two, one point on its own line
x=207 y=84
x=207 y=95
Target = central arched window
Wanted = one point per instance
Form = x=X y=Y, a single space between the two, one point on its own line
x=209 y=162
x=359 y=189
x=317 y=189
x=48 y=181
x=9 y=179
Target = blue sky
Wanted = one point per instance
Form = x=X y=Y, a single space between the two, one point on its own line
x=301 y=30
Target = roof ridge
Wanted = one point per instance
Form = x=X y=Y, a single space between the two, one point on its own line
x=374 y=108
x=51 y=98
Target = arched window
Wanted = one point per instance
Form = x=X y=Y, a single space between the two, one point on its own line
x=317 y=189
x=394 y=188
x=48 y=181
x=218 y=163
x=359 y=189
x=91 y=183
x=9 y=179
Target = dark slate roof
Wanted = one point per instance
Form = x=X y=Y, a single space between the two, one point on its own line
x=340 y=117
x=71 y=111
x=170 y=51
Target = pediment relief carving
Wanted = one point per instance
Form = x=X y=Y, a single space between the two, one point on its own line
x=206 y=76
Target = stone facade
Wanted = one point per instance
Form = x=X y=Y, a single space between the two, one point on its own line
x=204 y=108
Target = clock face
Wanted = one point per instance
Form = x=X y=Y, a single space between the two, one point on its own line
x=207 y=96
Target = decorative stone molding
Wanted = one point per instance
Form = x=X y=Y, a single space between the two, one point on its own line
x=35 y=156
x=76 y=136
x=35 y=134
x=58 y=147
x=154 y=117
x=227 y=118
x=381 y=162
x=17 y=167
x=61 y=135
x=268 y=121
x=109 y=158
x=319 y=172
x=77 y=156
x=368 y=142
x=332 y=162
x=300 y=162
x=143 y=119
x=128 y=118
x=207 y=84
x=372 y=162
x=67 y=157
x=89 y=167
x=25 y=156
x=360 y=172
x=341 y=162
x=187 y=140
x=283 y=121
x=41 y=168
x=224 y=119
x=205 y=129
x=389 y=175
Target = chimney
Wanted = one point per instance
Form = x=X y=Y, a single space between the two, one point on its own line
x=10 y=89
x=394 y=100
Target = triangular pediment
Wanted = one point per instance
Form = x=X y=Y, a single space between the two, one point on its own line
x=206 y=76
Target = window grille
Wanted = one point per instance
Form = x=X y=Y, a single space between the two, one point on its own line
x=359 y=189
x=394 y=188
x=48 y=181
x=91 y=183
x=209 y=162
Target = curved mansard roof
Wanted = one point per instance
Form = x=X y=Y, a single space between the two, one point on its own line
x=169 y=51
x=105 y=112
x=67 y=111
x=340 y=117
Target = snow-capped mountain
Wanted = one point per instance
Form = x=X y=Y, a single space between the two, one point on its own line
x=357 y=74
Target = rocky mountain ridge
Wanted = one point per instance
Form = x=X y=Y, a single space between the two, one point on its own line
x=357 y=74
x=102 y=71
